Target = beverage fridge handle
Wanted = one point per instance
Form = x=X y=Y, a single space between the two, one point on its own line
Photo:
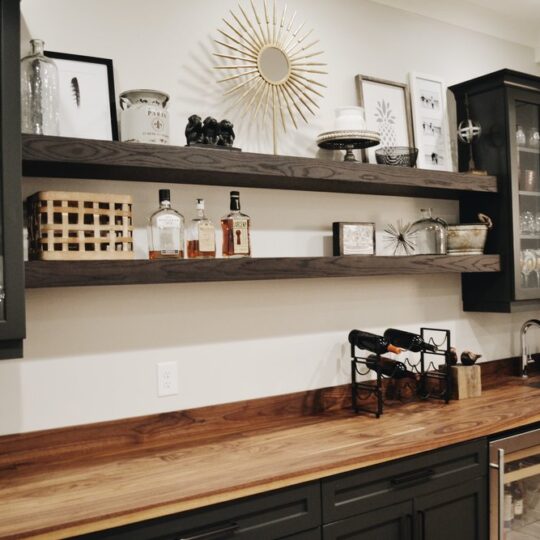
x=500 y=490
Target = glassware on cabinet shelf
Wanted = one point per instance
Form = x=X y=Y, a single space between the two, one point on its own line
x=39 y=92
x=534 y=138
x=430 y=234
x=528 y=265
x=537 y=223
x=527 y=222
x=521 y=138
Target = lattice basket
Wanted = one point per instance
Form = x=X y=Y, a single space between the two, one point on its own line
x=67 y=226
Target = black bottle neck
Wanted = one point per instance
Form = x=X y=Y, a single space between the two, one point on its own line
x=235 y=203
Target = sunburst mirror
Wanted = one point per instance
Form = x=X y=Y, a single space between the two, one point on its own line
x=274 y=66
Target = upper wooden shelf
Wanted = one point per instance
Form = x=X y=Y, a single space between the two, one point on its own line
x=63 y=157
x=86 y=273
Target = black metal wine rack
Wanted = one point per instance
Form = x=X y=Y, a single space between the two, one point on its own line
x=425 y=367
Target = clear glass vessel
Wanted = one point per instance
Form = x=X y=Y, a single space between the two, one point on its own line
x=235 y=227
x=430 y=234
x=166 y=230
x=39 y=92
x=201 y=236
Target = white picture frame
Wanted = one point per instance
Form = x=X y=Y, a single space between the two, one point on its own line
x=388 y=112
x=430 y=121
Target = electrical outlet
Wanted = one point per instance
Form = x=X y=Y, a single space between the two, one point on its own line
x=167 y=377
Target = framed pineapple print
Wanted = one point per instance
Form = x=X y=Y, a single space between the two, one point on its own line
x=387 y=106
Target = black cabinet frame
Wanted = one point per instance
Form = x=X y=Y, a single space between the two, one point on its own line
x=12 y=327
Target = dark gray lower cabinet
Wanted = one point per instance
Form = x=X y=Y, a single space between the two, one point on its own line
x=459 y=512
x=435 y=496
x=390 y=523
x=440 y=495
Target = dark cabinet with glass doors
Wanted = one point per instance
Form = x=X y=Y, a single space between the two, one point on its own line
x=11 y=257
x=507 y=106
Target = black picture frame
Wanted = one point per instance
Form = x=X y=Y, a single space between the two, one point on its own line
x=108 y=63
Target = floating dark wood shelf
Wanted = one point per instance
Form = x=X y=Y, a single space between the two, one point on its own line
x=89 y=273
x=63 y=157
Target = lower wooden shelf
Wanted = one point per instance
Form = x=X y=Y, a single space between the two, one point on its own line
x=40 y=274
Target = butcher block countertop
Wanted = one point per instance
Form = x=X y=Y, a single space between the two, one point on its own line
x=61 y=483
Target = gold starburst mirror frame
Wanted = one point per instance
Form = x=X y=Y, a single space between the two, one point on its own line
x=273 y=65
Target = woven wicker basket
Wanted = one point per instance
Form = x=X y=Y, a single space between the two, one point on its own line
x=66 y=226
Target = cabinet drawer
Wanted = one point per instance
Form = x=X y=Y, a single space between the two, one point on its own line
x=269 y=516
x=382 y=485
x=392 y=523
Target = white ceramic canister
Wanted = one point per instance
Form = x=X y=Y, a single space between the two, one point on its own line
x=144 y=117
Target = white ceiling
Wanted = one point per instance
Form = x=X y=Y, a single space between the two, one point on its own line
x=512 y=20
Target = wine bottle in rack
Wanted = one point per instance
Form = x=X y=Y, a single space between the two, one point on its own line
x=408 y=341
x=371 y=342
x=390 y=368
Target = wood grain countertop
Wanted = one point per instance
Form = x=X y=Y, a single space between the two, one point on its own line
x=104 y=489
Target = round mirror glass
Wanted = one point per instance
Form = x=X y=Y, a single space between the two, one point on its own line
x=274 y=65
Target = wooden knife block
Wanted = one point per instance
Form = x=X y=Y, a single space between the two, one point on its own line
x=466 y=381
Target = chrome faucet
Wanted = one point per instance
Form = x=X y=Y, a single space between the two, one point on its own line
x=526 y=358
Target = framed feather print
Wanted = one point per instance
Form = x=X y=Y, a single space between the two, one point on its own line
x=87 y=107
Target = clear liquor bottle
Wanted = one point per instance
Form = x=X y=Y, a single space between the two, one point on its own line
x=235 y=227
x=166 y=230
x=201 y=236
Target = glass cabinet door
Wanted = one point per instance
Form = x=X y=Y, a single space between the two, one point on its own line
x=521 y=507
x=525 y=141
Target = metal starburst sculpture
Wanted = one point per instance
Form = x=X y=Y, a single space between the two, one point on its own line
x=400 y=238
x=275 y=65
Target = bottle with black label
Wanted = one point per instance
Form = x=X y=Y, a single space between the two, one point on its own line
x=371 y=342
x=235 y=227
x=408 y=341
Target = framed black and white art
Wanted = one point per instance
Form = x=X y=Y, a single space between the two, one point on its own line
x=87 y=107
x=388 y=111
x=430 y=118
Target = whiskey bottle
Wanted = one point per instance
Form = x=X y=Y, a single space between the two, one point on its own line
x=166 y=230
x=235 y=227
x=371 y=342
x=407 y=340
x=201 y=236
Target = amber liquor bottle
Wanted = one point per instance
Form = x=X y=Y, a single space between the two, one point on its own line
x=201 y=236
x=166 y=230
x=235 y=227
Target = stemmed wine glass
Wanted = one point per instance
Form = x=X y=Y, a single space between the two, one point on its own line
x=528 y=265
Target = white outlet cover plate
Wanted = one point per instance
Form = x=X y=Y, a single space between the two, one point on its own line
x=167 y=379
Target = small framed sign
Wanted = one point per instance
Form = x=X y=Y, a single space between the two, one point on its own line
x=354 y=238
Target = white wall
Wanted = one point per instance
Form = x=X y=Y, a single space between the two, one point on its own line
x=91 y=352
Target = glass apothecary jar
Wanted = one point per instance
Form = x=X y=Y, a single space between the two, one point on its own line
x=430 y=234
x=39 y=92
